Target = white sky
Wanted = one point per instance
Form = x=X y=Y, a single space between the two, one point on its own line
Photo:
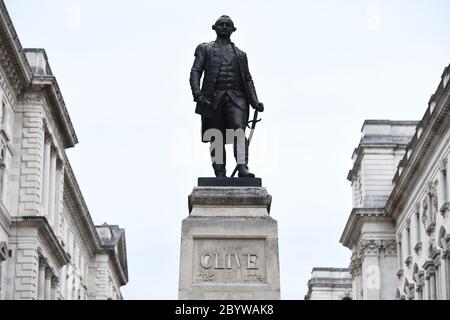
x=321 y=68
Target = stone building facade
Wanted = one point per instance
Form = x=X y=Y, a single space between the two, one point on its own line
x=49 y=245
x=398 y=230
x=330 y=284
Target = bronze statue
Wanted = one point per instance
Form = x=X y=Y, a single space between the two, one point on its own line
x=226 y=93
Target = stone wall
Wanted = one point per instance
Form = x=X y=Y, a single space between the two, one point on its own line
x=49 y=246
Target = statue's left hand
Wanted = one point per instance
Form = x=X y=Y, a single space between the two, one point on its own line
x=258 y=106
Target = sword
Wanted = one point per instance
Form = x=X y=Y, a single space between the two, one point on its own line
x=250 y=137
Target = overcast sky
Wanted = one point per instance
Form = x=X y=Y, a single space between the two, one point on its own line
x=321 y=68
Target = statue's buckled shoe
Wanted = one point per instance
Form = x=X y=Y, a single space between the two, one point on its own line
x=220 y=171
x=243 y=172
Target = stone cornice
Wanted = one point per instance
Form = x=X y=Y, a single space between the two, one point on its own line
x=5 y=217
x=428 y=133
x=82 y=218
x=12 y=59
x=50 y=87
x=376 y=142
x=115 y=247
x=242 y=196
x=46 y=235
x=123 y=278
x=352 y=229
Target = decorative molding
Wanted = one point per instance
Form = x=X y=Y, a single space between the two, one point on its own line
x=45 y=234
x=57 y=108
x=390 y=247
x=433 y=123
x=358 y=216
x=429 y=268
x=420 y=280
x=369 y=248
x=444 y=208
x=436 y=256
x=33 y=98
x=431 y=227
x=447 y=241
x=408 y=261
x=417 y=208
x=5 y=217
x=4 y=85
x=409 y=290
x=400 y=274
x=355 y=266
x=12 y=58
x=418 y=247
x=55 y=281
x=443 y=164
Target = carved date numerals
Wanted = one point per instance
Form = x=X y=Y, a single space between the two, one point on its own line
x=254 y=277
x=205 y=277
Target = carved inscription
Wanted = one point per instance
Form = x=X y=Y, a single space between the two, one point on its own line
x=229 y=261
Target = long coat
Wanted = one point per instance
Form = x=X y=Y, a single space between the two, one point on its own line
x=208 y=59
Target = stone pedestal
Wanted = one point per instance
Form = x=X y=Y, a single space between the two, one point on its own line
x=229 y=245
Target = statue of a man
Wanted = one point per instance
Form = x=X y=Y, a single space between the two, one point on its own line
x=226 y=93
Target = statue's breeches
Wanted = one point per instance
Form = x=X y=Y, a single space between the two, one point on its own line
x=230 y=111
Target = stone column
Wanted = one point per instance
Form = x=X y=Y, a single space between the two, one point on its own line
x=432 y=286
x=355 y=271
x=77 y=287
x=442 y=187
x=59 y=195
x=52 y=189
x=63 y=281
x=447 y=169
x=54 y=289
x=370 y=270
x=48 y=284
x=426 y=288
x=418 y=225
x=447 y=275
x=69 y=283
x=41 y=279
x=399 y=254
x=420 y=286
x=408 y=238
x=2 y=182
x=45 y=177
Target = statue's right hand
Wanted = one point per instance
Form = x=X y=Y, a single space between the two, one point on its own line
x=204 y=101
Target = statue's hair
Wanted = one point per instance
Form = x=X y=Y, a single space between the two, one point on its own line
x=225 y=17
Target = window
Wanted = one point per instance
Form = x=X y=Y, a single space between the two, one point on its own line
x=444 y=179
x=444 y=185
x=399 y=250
x=3 y=256
x=3 y=181
x=3 y=113
x=1 y=282
x=418 y=244
x=408 y=238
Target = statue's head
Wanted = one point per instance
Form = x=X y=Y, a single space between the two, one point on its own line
x=224 y=27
